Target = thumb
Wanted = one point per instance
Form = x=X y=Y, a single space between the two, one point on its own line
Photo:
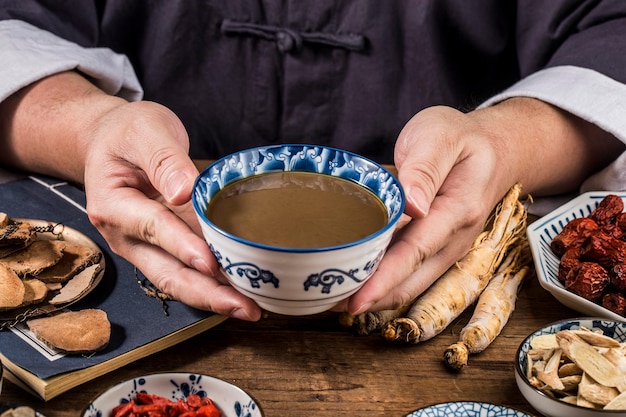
x=424 y=156
x=178 y=178
x=169 y=167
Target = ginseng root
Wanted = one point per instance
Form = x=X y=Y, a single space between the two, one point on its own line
x=373 y=321
x=460 y=286
x=493 y=309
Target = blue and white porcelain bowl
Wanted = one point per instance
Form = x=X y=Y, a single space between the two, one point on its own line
x=548 y=405
x=288 y=280
x=231 y=400
x=467 y=409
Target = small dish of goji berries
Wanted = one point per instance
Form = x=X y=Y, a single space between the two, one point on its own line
x=171 y=395
x=579 y=251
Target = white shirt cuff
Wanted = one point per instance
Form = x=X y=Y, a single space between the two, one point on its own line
x=35 y=54
x=583 y=92
x=589 y=95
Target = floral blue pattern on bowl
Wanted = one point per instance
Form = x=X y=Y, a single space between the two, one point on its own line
x=540 y=234
x=231 y=400
x=467 y=409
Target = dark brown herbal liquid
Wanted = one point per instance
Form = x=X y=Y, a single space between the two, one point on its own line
x=297 y=210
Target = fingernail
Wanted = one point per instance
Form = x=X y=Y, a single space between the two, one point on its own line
x=201 y=265
x=240 y=313
x=417 y=199
x=176 y=182
x=363 y=308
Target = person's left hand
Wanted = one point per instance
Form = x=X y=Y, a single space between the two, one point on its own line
x=456 y=167
x=443 y=164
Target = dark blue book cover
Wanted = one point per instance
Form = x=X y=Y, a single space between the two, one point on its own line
x=136 y=319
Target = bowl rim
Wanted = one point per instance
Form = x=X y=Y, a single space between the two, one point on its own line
x=522 y=373
x=481 y=403
x=391 y=223
x=173 y=374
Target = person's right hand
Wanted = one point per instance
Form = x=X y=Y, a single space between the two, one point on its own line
x=133 y=161
x=138 y=181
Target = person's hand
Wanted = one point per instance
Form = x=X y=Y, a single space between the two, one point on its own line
x=133 y=161
x=138 y=182
x=448 y=171
x=455 y=168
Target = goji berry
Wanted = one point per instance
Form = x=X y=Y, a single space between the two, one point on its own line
x=208 y=411
x=123 y=410
x=194 y=400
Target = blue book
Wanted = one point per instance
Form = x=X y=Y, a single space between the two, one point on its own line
x=140 y=325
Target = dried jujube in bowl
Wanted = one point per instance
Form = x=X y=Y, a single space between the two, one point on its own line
x=592 y=255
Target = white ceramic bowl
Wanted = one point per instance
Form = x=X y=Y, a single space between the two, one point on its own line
x=231 y=400
x=467 y=409
x=540 y=234
x=298 y=281
x=545 y=404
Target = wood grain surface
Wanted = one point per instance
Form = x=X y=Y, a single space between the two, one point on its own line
x=311 y=366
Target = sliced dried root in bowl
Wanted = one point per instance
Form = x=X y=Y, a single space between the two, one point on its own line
x=579 y=367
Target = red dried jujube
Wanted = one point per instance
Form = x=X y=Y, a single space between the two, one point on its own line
x=592 y=252
x=574 y=234
x=616 y=302
x=608 y=209
x=589 y=280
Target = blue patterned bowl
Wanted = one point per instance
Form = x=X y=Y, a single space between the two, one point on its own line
x=231 y=400
x=298 y=281
x=542 y=402
x=540 y=234
x=467 y=409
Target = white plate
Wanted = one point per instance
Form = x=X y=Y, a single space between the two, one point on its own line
x=231 y=400
x=467 y=409
x=17 y=315
x=540 y=234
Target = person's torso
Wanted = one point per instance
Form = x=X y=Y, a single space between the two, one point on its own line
x=348 y=74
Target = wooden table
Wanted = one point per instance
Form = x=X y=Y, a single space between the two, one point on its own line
x=311 y=366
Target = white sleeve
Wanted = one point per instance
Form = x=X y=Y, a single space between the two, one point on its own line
x=34 y=54
x=589 y=95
